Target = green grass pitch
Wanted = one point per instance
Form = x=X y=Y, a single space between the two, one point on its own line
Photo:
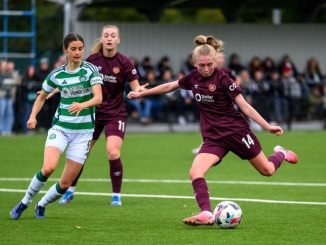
x=287 y=208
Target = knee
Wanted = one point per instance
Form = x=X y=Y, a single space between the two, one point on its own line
x=267 y=171
x=113 y=154
x=47 y=170
x=64 y=184
x=194 y=174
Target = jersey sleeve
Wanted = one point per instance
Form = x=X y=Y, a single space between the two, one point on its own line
x=49 y=83
x=131 y=71
x=185 y=82
x=230 y=86
x=95 y=77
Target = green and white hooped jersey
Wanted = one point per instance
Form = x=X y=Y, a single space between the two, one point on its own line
x=74 y=86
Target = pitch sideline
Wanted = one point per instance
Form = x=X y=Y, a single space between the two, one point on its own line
x=176 y=181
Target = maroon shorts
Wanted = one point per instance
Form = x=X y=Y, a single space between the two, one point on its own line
x=243 y=143
x=115 y=127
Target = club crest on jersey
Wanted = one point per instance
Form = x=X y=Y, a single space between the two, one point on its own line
x=212 y=87
x=52 y=136
x=83 y=78
x=116 y=70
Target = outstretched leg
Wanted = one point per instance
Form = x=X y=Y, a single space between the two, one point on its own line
x=268 y=166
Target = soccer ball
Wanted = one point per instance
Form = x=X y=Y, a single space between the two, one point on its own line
x=227 y=214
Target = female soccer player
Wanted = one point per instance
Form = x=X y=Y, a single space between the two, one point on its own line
x=111 y=115
x=79 y=83
x=223 y=127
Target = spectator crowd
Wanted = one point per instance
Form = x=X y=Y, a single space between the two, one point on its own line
x=277 y=90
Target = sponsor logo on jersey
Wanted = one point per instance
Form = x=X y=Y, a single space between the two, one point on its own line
x=116 y=70
x=134 y=71
x=110 y=79
x=212 y=87
x=64 y=82
x=76 y=91
x=204 y=98
x=233 y=86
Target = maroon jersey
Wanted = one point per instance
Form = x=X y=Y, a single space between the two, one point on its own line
x=115 y=71
x=215 y=97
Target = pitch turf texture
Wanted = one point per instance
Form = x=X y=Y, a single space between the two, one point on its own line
x=288 y=208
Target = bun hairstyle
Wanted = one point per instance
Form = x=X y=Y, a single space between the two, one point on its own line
x=207 y=45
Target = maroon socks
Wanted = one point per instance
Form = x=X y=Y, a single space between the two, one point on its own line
x=116 y=175
x=277 y=159
x=201 y=194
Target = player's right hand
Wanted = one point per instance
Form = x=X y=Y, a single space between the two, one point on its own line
x=31 y=123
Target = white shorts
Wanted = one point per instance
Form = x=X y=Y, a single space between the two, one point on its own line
x=77 y=144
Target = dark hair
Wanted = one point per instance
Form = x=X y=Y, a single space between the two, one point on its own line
x=71 y=37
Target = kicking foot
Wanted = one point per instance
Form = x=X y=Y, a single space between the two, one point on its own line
x=203 y=218
x=289 y=156
x=66 y=198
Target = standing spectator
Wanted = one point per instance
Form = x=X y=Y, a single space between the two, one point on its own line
x=255 y=64
x=51 y=104
x=313 y=74
x=292 y=93
x=287 y=63
x=186 y=105
x=246 y=85
x=145 y=65
x=316 y=103
x=156 y=101
x=269 y=67
x=235 y=64
x=187 y=66
x=261 y=94
x=8 y=83
x=170 y=101
x=29 y=88
x=279 y=102
x=163 y=64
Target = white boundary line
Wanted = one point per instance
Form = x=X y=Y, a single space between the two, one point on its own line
x=175 y=181
x=182 y=197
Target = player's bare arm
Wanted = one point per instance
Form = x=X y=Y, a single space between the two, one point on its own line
x=161 y=89
x=134 y=85
x=250 y=112
x=96 y=100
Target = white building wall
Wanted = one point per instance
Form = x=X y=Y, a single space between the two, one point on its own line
x=154 y=39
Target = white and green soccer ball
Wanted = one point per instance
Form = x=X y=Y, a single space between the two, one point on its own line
x=227 y=214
